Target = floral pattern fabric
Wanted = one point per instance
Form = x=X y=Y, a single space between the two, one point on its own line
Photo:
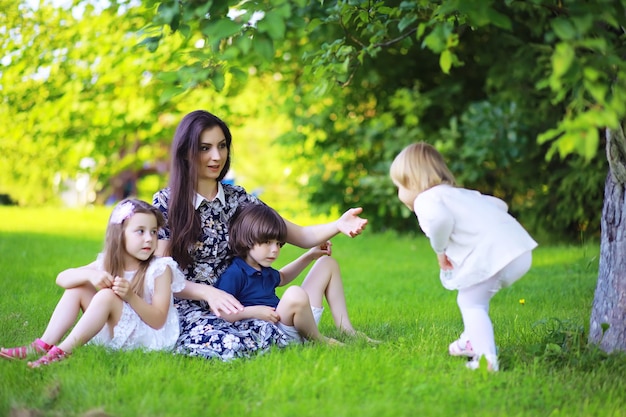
x=201 y=332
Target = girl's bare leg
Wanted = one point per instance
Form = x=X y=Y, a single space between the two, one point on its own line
x=105 y=308
x=66 y=312
x=294 y=310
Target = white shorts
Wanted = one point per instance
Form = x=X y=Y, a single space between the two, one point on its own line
x=291 y=334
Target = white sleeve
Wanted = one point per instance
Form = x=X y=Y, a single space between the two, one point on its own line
x=497 y=202
x=157 y=268
x=435 y=220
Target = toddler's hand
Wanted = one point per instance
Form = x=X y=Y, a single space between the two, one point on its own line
x=444 y=262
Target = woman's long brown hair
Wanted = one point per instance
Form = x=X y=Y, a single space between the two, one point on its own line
x=183 y=221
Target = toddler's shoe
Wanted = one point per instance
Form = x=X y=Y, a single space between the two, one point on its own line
x=37 y=348
x=461 y=348
x=492 y=363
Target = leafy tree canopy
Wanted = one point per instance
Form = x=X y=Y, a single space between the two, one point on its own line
x=515 y=93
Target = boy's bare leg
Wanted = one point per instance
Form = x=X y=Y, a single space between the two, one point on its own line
x=294 y=310
x=324 y=279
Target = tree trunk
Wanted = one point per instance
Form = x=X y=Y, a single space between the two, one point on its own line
x=608 y=315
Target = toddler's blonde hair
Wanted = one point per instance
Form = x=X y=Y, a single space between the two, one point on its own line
x=419 y=167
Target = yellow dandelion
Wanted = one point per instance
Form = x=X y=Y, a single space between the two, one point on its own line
x=522 y=301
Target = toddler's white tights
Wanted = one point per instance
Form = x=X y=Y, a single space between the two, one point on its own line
x=474 y=305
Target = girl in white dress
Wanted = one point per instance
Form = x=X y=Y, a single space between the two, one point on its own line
x=480 y=247
x=125 y=294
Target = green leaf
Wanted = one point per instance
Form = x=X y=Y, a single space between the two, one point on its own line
x=445 y=61
x=421 y=28
x=244 y=43
x=598 y=91
x=406 y=21
x=221 y=28
x=562 y=59
x=596 y=44
x=499 y=20
x=549 y=135
x=435 y=40
x=218 y=80
x=313 y=24
x=167 y=13
x=564 y=29
x=264 y=47
x=583 y=23
x=591 y=140
x=272 y=24
x=169 y=93
x=151 y=42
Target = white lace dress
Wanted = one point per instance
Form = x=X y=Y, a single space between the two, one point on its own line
x=133 y=333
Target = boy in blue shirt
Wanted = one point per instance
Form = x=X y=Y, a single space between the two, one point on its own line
x=256 y=235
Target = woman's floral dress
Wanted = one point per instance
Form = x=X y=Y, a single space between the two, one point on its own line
x=201 y=332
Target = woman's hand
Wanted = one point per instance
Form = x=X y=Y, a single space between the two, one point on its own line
x=444 y=262
x=350 y=223
x=221 y=301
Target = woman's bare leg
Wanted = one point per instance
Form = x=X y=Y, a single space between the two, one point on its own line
x=324 y=279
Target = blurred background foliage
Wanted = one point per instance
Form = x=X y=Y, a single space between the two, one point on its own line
x=320 y=97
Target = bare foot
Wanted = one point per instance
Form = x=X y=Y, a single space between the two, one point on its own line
x=356 y=333
x=332 y=342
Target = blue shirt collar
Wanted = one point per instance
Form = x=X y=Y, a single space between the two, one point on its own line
x=250 y=271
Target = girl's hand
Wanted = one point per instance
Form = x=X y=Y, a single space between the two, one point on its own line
x=121 y=287
x=222 y=302
x=444 y=262
x=101 y=279
x=264 y=313
x=350 y=223
x=321 y=250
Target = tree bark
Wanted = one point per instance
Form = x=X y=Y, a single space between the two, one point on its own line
x=608 y=315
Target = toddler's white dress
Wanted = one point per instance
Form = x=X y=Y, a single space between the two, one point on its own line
x=133 y=333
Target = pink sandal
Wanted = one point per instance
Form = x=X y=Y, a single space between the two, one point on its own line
x=54 y=355
x=37 y=348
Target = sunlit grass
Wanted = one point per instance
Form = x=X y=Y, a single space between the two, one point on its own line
x=394 y=295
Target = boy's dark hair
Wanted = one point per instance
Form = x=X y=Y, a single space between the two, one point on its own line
x=253 y=224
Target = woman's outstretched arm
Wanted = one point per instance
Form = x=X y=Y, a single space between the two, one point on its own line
x=349 y=224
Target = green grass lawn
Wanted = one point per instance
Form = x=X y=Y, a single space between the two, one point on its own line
x=394 y=295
